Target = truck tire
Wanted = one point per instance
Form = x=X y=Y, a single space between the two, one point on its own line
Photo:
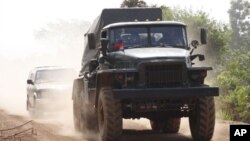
x=109 y=116
x=89 y=118
x=170 y=125
x=202 y=119
x=76 y=107
x=76 y=113
x=84 y=117
x=156 y=125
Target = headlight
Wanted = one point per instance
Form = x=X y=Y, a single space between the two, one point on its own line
x=198 y=76
x=124 y=79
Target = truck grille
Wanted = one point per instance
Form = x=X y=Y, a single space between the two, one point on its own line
x=161 y=76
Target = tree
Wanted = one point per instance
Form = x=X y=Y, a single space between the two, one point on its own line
x=133 y=3
x=239 y=15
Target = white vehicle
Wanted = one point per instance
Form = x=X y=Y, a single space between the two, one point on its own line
x=47 y=87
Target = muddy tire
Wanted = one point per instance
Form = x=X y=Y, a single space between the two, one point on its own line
x=202 y=119
x=109 y=116
x=89 y=118
x=76 y=106
x=156 y=125
x=76 y=113
x=170 y=125
x=84 y=118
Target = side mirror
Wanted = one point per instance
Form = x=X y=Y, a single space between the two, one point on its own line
x=30 y=82
x=91 y=40
x=203 y=36
x=104 y=44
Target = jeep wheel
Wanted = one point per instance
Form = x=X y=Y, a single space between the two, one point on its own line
x=170 y=125
x=202 y=119
x=109 y=116
x=34 y=111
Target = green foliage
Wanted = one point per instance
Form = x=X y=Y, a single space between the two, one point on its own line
x=234 y=80
x=240 y=23
x=167 y=13
x=134 y=3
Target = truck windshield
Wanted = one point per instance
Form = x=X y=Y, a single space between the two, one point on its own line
x=152 y=36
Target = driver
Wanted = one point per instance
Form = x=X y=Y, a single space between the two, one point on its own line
x=171 y=37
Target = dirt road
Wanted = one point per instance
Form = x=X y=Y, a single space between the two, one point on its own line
x=135 y=130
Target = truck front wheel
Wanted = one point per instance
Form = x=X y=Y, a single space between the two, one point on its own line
x=202 y=119
x=109 y=116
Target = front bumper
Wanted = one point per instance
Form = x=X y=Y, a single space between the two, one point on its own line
x=163 y=93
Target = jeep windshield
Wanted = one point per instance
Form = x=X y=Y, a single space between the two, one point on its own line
x=147 y=36
x=55 y=75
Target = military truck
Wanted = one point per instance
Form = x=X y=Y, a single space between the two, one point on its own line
x=136 y=65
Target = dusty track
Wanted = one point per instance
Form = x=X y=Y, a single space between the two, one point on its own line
x=138 y=130
x=45 y=131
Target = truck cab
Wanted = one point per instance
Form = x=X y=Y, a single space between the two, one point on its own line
x=143 y=69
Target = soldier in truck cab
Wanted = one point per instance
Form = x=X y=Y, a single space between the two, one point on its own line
x=171 y=37
x=126 y=39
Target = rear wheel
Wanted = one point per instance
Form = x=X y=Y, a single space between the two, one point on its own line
x=109 y=116
x=89 y=118
x=84 y=116
x=202 y=119
x=170 y=125
x=76 y=113
x=77 y=106
x=156 y=125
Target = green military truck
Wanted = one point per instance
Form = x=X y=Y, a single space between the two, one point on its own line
x=136 y=65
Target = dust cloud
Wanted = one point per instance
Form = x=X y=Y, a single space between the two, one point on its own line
x=56 y=44
x=207 y=50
